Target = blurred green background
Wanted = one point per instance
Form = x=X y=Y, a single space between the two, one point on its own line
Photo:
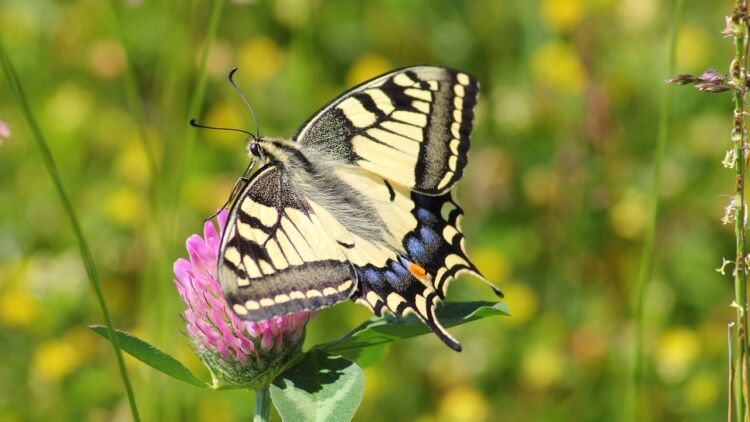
x=556 y=197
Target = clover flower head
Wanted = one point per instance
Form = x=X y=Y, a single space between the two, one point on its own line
x=237 y=352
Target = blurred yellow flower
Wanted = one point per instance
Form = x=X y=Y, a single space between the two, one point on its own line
x=556 y=65
x=541 y=185
x=628 y=217
x=493 y=263
x=562 y=15
x=125 y=205
x=106 y=59
x=68 y=108
x=58 y=357
x=54 y=360
x=636 y=15
x=463 y=403
x=675 y=354
x=702 y=390
x=259 y=59
x=522 y=302
x=228 y=115
x=367 y=67
x=17 y=308
x=131 y=164
x=693 y=46
x=542 y=365
x=292 y=13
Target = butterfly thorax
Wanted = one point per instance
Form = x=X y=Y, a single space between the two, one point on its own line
x=322 y=180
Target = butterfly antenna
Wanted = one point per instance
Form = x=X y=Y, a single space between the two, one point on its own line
x=194 y=123
x=230 y=76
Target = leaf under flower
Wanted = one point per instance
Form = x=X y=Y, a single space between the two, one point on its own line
x=386 y=329
x=366 y=345
x=152 y=356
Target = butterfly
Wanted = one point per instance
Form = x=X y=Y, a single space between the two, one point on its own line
x=358 y=204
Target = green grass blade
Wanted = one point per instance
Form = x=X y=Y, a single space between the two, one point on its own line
x=634 y=381
x=151 y=356
x=196 y=101
x=86 y=257
x=132 y=97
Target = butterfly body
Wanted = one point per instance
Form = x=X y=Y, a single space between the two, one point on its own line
x=358 y=204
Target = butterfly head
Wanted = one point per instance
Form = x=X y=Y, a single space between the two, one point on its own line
x=254 y=149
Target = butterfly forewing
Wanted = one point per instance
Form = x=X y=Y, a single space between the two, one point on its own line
x=276 y=255
x=410 y=126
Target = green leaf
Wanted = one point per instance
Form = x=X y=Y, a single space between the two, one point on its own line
x=319 y=388
x=386 y=329
x=368 y=356
x=151 y=356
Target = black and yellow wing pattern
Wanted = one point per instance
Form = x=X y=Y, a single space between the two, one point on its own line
x=358 y=205
x=276 y=255
x=410 y=126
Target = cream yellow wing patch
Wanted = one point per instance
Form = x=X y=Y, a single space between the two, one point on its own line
x=410 y=126
x=277 y=256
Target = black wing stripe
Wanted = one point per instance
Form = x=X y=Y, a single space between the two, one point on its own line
x=432 y=106
x=272 y=267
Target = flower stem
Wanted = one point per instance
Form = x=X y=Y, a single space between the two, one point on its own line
x=132 y=97
x=196 y=101
x=86 y=257
x=647 y=256
x=262 y=404
x=738 y=75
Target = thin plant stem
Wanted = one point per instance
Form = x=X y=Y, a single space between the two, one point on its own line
x=738 y=79
x=132 y=98
x=196 y=100
x=730 y=376
x=86 y=257
x=262 y=405
x=634 y=384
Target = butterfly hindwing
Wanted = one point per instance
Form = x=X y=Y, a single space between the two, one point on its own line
x=411 y=126
x=417 y=280
x=276 y=256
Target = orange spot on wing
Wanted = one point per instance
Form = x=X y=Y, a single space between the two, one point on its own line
x=416 y=270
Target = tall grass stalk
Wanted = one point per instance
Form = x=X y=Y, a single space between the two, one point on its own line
x=86 y=257
x=738 y=80
x=132 y=98
x=196 y=102
x=635 y=382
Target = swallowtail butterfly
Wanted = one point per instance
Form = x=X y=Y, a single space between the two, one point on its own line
x=357 y=205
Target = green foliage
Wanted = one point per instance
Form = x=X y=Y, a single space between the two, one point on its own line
x=319 y=388
x=152 y=356
x=383 y=330
x=556 y=197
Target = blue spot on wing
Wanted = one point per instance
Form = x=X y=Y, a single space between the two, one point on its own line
x=395 y=280
x=426 y=216
x=416 y=249
x=428 y=235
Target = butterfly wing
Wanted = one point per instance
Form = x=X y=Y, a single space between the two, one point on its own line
x=410 y=126
x=399 y=140
x=276 y=255
x=412 y=275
